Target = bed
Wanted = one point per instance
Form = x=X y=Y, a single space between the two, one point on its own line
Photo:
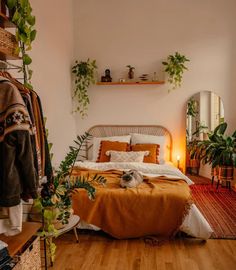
x=155 y=202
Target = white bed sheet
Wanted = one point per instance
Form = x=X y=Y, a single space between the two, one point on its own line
x=194 y=223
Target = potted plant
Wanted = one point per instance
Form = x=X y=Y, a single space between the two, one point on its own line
x=131 y=72
x=219 y=150
x=84 y=77
x=54 y=202
x=175 y=67
x=21 y=16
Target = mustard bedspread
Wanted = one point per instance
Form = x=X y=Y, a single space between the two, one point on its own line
x=156 y=207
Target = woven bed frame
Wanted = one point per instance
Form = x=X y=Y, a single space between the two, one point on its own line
x=119 y=130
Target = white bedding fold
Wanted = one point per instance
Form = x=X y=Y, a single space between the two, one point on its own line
x=148 y=169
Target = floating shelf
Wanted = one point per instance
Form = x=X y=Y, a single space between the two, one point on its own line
x=5 y=21
x=130 y=83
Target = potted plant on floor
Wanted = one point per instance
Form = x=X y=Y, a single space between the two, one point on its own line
x=54 y=201
x=219 y=151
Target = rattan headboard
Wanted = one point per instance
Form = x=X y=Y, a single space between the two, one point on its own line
x=118 y=130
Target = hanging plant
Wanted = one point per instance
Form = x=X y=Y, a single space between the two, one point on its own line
x=84 y=77
x=22 y=17
x=175 y=67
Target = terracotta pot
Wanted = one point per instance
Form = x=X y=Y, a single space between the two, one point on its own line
x=226 y=172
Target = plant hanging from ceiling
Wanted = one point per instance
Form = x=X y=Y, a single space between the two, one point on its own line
x=22 y=17
x=175 y=67
x=84 y=76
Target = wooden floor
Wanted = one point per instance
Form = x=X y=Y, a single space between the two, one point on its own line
x=99 y=252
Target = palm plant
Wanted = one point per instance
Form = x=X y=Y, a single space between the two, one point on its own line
x=54 y=201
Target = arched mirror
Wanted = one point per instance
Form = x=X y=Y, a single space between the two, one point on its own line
x=205 y=111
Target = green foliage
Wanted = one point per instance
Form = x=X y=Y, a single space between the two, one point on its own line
x=192 y=108
x=25 y=33
x=174 y=67
x=218 y=150
x=130 y=67
x=55 y=199
x=84 y=77
x=47 y=134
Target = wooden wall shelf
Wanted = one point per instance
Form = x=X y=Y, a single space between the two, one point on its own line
x=5 y=22
x=131 y=83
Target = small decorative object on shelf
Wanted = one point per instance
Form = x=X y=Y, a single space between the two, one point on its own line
x=121 y=80
x=107 y=77
x=154 y=78
x=143 y=77
x=131 y=72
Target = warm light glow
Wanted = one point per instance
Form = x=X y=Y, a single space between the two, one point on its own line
x=178 y=157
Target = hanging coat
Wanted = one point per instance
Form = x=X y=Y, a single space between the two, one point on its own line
x=18 y=177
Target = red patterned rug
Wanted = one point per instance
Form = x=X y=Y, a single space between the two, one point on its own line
x=218 y=207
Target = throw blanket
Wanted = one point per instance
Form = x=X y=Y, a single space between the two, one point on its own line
x=156 y=207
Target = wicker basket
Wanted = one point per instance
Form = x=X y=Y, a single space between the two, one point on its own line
x=30 y=259
x=8 y=43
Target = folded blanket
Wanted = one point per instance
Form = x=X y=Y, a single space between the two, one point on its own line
x=156 y=207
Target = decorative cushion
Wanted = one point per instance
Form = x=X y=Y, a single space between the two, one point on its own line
x=151 y=139
x=118 y=156
x=97 y=143
x=109 y=145
x=153 y=152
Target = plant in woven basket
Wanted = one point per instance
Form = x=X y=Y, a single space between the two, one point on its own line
x=25 y=33
x=55 y=199
x=84 y=77
x=218 y=150
x=175 y=67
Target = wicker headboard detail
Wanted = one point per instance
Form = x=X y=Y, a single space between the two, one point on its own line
x=119 y=130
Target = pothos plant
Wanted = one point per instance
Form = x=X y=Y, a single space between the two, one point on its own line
x=22 y=17
x=175 y=67
x=55 y=198
x=84 y=76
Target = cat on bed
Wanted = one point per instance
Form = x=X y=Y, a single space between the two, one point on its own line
x=131 y=178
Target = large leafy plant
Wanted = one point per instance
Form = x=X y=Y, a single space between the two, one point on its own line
x=219 y=149
x=175 y=67
x=22 y=17
x=83 y=77
x=55 y=199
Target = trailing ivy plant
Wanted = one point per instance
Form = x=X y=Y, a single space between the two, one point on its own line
x=175 y=67
x=22 y=17
x=55 y=199
x=84 y=77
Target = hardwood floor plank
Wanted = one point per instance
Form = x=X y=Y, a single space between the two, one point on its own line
x=99 y=252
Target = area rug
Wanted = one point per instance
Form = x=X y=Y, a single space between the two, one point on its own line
x=199 y=180
x=218 y=207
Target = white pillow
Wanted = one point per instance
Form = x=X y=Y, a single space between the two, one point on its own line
x=120 y=156
x=97 y=143
x=137 y=138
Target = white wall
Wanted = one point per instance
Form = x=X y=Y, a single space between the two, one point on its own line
x=143 y=33
x=52 y=54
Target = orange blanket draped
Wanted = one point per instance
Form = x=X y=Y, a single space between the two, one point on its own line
x=155 y=207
